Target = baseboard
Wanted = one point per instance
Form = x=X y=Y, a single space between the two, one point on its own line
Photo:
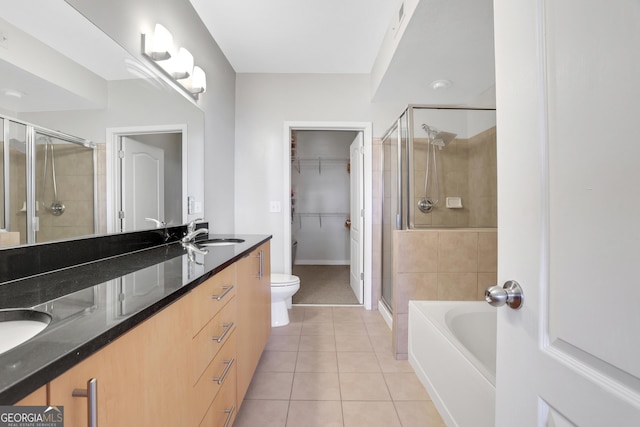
x=386 y=315
x=322 y=262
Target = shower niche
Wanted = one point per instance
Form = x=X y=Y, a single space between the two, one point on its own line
x=48 y=184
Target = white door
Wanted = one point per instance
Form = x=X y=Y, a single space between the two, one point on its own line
x=357 y=204
x=568 y=100
x=142 y=184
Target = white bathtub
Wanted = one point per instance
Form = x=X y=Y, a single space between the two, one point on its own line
x=452 y=348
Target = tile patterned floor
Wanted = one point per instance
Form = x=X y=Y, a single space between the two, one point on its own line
x=332 y=366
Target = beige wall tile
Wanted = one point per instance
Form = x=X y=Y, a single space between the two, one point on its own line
x=488 y=252
x=401 y=334
x=457 y=286
x=457 y=252
x=417 y=251
x=417 y=286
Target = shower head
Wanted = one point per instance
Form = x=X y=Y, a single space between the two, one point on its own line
x=438 y=138
x=442 y=139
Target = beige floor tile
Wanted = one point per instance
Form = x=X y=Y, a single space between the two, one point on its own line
x=405 y=386
x=352 y=328
x=418 y=414
x=318 y=314
x=296 y=314
x=353 y=343
x=382 y=344
x=347 y=314
x=378 y=329
x=363 y=386
x=314 y=414
x=277 y=361
x=283 y=343
x=270 y=386
x=317 y=361
x=263 y=413
x=315 y=386
x=371 y=316
x=317 y=343
x=388 y=363
x=293 y=328
x=355 y=361
x=369 y=414
x=317 y=329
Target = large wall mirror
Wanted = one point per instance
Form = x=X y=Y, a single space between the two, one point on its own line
x=80 y=118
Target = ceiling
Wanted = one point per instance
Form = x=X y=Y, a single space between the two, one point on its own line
x=444 y=39
x=294 y=36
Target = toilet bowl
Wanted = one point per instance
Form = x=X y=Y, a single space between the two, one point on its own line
x=283 y=286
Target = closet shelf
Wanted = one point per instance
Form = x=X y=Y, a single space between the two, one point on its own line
x=321 y=215
x=298 y=162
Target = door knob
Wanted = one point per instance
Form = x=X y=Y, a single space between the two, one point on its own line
x=510 y=294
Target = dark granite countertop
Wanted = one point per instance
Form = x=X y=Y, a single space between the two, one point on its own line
x=94 y=303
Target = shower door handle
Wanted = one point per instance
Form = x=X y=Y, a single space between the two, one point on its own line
x=509 y=294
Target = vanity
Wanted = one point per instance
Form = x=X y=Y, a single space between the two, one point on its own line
x=151 y=333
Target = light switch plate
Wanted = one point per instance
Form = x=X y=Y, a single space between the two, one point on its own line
x=274 y=206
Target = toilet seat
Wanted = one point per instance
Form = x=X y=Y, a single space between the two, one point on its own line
x=284 y=280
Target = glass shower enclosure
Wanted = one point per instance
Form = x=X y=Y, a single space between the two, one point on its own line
x=47 y=184
x=439 y=172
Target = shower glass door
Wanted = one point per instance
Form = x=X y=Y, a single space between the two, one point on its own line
x=64 y=188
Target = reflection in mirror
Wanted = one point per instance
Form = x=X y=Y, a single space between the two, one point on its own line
x=53 y=80
x=43 y=166
x=65 y=183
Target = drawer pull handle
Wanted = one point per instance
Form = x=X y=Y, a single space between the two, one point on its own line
x=221 y=378
x=91 y=393
x=227 y=327
x=230 y=412
x=226 y=290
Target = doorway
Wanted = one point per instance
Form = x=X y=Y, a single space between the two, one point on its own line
x=146 y=178
x=327 y=224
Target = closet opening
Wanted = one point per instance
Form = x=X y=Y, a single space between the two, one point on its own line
x=327 y=217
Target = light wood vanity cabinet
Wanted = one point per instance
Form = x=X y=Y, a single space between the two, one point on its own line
x=37 y=398
x=213 y=350
x=254 y=313
x=142 y=377
x=188 y=365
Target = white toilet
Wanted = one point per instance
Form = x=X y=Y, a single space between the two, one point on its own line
x=283 y=286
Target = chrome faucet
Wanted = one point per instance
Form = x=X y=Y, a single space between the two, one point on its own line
x=192 y=233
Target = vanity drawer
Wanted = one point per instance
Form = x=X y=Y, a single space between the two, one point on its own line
x=222 y=411
x=209 y=298
x=211 y=338
x=219 y=373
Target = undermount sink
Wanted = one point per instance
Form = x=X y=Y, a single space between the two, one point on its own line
x=219 y=242
x=20 y=325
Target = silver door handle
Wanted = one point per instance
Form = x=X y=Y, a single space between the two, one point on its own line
x=510 y=293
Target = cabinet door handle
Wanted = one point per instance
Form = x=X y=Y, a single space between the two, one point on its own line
x=91 y=393
x=230 y=412
x=225 y=289
x=227 y=327
x=221 y=378
x=261 y=268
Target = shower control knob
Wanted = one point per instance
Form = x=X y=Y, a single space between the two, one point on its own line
x=510 y=294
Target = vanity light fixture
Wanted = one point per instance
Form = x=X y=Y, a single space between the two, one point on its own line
x=178 y=68
x=162 y=43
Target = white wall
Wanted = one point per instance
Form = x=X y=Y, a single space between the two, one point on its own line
x=124 y=21
x=263 y=103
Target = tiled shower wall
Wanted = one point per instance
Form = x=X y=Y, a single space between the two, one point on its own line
x=439 y=265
